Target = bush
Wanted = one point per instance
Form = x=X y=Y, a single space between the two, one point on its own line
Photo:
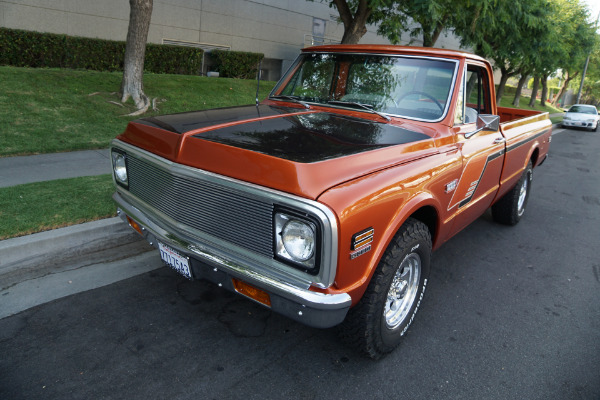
x=236 y=64
x=168 y=59
x=20 y=48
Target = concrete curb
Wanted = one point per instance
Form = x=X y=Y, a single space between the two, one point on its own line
x=62 y=243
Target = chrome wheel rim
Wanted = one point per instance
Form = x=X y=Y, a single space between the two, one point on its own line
x=523 y=194
x=403 y=290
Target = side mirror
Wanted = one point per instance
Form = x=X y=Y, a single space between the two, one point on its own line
x=485 y=122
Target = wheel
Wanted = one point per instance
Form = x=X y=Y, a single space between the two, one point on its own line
x=511 y=207
x=595 y=127
x=376 y=325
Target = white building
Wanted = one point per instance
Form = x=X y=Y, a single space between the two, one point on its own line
x=276 y=28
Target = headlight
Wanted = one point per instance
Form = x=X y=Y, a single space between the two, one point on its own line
x=296 y=240
x=566 y=117
x=120 y=168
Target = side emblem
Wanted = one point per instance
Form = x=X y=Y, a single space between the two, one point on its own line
x=361 y=243
x=451 y=187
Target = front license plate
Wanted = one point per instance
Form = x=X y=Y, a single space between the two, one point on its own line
x=175 y=260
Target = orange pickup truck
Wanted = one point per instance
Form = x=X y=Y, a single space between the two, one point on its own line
x=325 y=201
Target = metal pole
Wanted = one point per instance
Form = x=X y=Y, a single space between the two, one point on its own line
x=587 y=60
x=582 y=79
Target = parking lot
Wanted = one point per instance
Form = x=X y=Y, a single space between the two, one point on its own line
x=509 y=313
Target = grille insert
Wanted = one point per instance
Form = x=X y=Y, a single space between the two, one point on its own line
x=225 y=213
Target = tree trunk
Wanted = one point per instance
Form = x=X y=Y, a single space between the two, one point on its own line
x=534 y=90
x=437 y=31
x=544 y=96
x=353 y=34
x=427 y=39
x=520 y=85
x=355 y=26
x=563 y=88
x=503 y=79
x=135 y=50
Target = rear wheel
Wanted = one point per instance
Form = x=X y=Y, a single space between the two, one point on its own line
x=376 y=325
x=511 y=207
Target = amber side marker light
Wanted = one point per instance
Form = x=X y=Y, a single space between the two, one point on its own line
x=135 y=225
x=252 y=292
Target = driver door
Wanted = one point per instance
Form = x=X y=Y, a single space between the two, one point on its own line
x=482 y=153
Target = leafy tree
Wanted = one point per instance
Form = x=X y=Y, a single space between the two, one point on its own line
x=579 y=38
x=356 y=14
x=135 y=51
x=505 y=36
x=430 y=18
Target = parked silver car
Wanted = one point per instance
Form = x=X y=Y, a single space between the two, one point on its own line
x=581 y=116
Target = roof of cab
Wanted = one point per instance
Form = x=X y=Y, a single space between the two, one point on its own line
x=391 y=49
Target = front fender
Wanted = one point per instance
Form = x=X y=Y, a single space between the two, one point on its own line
x=384 y=201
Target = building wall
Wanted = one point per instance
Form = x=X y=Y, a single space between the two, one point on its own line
x=276 y=28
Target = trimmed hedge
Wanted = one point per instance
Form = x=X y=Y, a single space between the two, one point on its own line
x=236 y=64
x=21 y=48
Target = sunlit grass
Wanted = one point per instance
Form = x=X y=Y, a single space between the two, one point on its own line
x=54 y=110
x=36 y=207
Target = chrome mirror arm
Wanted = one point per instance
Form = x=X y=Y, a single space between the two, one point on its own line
x=485 y=122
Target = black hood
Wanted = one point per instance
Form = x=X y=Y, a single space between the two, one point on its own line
x=311 y=137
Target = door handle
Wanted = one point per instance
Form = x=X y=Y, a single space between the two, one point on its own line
x=499 y=140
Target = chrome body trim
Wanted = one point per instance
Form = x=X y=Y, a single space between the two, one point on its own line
x=207 y=247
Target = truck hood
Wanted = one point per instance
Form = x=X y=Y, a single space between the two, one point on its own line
x=299 y=151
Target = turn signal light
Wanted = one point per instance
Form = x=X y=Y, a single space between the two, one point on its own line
x=135 y=225
x=252 y=292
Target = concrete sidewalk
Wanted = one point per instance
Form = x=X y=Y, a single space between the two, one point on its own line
x=96 y=253
x=48 y=167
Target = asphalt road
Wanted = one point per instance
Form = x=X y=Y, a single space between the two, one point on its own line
x=509 y=313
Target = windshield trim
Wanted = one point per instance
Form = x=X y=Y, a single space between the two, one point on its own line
x=456 y=62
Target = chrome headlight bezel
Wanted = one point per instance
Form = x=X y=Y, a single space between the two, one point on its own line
x=283 y=222
x=119 y=167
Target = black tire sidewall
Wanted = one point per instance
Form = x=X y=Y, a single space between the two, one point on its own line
x=391 y=337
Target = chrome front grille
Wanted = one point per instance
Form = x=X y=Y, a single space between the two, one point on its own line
x=225 y=213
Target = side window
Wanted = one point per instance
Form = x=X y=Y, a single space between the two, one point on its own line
x=476 y=93
x=474 y=98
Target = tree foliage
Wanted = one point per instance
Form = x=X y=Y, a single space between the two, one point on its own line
x=521 y=37
x=578 y=38
x=356 y=14
x=427 y=19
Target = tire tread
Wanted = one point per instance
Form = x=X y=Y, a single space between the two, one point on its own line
x=357 y=330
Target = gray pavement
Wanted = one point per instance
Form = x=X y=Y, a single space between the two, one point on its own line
x=509 y=313
x=48 y=167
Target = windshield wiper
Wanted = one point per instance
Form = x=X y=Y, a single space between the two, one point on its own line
x=294 y=99
x=367 y=107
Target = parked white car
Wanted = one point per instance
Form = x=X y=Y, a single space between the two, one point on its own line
x=581 y=116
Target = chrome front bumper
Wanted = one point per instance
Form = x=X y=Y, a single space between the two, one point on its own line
x=216 y=265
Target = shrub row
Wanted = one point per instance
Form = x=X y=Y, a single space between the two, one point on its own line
x=236 y=64
x=33 y=49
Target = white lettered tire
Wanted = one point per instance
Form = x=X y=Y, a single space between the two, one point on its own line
x=376 y=325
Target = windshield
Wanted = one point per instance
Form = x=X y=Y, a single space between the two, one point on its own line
x=583 y=109
x=417 y=88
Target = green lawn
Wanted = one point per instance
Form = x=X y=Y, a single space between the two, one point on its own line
x=36 y=207
x=54 y=110
x=509 y=96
